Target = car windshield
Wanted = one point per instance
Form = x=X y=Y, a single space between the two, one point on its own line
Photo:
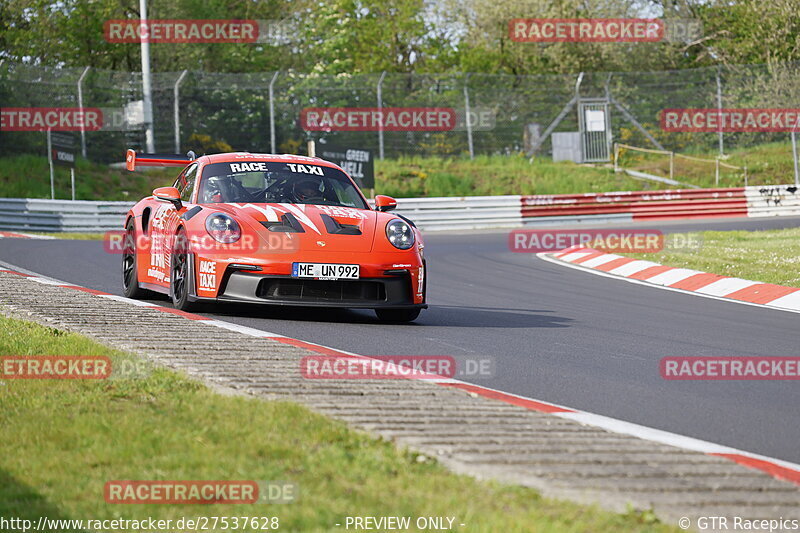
x=276 y=182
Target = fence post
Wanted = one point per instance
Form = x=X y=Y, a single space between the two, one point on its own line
x=147 y=86
x=177 y=112
x=380 y=113
x=80 y=105
x=272 y=111
x=616 y=157
x=469 y=119
x=719 y=111
x=716 y=171
x=672 y=165
x=50 y=162
x=794 y=153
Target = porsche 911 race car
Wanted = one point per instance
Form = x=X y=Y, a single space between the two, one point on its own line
x=271 y=229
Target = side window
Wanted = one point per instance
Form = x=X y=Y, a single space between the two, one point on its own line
x=188 y=183
x=180 y=183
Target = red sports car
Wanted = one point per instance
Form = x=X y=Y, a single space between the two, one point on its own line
x=271 y=229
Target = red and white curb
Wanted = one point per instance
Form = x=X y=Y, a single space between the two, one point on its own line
x=679 y=279
x=779 y=469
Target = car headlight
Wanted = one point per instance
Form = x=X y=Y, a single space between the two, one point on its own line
x=400 y=234
x=223 y=228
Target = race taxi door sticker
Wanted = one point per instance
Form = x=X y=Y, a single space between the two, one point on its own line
x=421 y=282
x=207 y=277
x=162 y=226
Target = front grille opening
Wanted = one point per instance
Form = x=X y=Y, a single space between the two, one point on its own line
x=322 y=290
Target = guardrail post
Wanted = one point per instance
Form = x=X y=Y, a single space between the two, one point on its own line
x=272 y=112
x=380 y=113
x=469 y=119
x=80 y=105
x=177 y=112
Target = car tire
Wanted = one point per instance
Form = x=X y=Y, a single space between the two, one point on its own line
x=179 y=275
x=397 y=315
x=130 y=266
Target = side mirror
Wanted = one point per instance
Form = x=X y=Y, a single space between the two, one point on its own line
x=384 y=203
x=168 y=194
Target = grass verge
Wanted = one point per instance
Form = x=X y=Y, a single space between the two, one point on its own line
x=767 y=164
x=769 y=256
x=70 y=437
x=496 y=175
x=27 y=176
x=70 y=236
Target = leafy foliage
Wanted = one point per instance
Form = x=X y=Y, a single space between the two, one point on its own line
x=357 y=36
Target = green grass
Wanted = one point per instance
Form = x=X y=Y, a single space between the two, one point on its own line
x=70 y=236
x=495 y=175
x=28 y=176
x=63 y=439
x=770 y=256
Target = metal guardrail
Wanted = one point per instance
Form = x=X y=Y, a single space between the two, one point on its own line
x=773 y=200
x=464 y=213
x=461 y=213
x=57 y=216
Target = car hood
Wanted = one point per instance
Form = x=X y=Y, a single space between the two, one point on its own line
x=316 y=227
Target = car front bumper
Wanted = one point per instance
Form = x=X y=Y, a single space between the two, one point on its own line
x=391 y=292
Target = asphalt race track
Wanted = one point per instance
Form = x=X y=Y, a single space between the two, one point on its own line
x=556 y=334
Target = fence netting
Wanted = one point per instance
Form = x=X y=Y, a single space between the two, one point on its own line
x=508 y=114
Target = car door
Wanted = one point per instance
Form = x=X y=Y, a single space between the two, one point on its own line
x=164 y=224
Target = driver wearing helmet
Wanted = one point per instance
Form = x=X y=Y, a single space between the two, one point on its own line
x=308 y=190
x=212 y=190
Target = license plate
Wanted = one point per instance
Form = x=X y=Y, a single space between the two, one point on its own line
x=325 y=271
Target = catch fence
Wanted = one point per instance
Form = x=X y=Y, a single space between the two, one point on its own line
x=494 y=113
